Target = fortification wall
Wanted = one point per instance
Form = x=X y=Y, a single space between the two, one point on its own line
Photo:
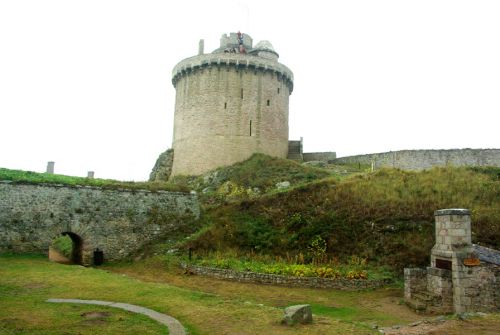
x=319 y=156
x=228 y=108
x=116 y=222
x=425 y=159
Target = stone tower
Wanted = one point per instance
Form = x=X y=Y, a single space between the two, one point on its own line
x=229 y=104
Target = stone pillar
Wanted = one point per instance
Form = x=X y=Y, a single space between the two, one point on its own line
x=453 y=243
x=452 y=228
x=50 y=167
x=90 y=174
x=201 y=47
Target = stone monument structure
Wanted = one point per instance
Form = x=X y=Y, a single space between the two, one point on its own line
x=50 y=167
x=462 y=277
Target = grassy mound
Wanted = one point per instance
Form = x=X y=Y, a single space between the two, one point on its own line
x=29 y=177
x=386 y=216
x=264 y=172
x=250 y=179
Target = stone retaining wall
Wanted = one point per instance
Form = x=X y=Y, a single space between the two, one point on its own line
x=118 y=222
x=271 y=279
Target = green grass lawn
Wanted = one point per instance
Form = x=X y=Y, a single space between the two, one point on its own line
x=203 y=305
x=27 y=281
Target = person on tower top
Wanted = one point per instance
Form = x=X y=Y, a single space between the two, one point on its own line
x=242 y=49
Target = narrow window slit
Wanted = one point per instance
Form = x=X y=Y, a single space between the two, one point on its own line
x=250 y=127
x=242 y=93
x=268 y=102
x=225 y=105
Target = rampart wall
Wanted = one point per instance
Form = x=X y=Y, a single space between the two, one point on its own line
x=118 y=222
x=319 y=156
x=425 y=159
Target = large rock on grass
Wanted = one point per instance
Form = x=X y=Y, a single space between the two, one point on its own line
x=297 y=314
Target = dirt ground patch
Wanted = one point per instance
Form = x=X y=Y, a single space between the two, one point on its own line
x=488 y=325
x=96 y=315
x=56 y=256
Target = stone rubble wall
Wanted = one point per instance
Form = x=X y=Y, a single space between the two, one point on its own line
x=319 y=156
x=439 y=284
x=415 y=281
x=118 y=222
x=425 y=159
x=271 y=279
x=475 y=288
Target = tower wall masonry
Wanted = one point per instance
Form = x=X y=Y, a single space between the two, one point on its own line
x=229 y=106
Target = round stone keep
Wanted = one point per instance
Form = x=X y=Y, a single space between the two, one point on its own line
x=230 y=104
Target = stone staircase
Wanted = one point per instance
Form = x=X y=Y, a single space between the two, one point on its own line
x=294 y=151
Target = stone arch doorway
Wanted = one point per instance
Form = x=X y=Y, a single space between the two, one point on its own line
x=66 y=248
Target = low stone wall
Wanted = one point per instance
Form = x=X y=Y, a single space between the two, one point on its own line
x=478 y=289
x=118 y=222
x=271 y=279
x=425 y=159
x=415 y=281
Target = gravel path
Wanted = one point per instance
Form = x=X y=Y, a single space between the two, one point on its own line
x=174 y=326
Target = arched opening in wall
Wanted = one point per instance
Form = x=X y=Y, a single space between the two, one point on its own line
x=66 y=249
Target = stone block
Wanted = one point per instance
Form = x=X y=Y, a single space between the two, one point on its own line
x=457 y=232
x=297 y=314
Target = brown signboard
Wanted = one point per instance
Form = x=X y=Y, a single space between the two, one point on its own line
x=472 y=261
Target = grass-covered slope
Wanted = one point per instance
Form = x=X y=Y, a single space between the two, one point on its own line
x=386 y=216
x=264 y=172
x=29 y=177
x=249 y=179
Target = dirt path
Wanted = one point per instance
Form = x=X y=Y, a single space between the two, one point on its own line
x=486 y=325
x=56 y=256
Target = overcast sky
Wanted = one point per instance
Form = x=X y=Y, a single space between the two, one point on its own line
x=87 y=84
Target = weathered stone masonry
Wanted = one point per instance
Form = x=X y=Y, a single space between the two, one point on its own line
x=118 y=222
x=272 y=279
x=425 y=159
x=230 y=105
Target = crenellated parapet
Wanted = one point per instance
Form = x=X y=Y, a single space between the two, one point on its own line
x=243 y=62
